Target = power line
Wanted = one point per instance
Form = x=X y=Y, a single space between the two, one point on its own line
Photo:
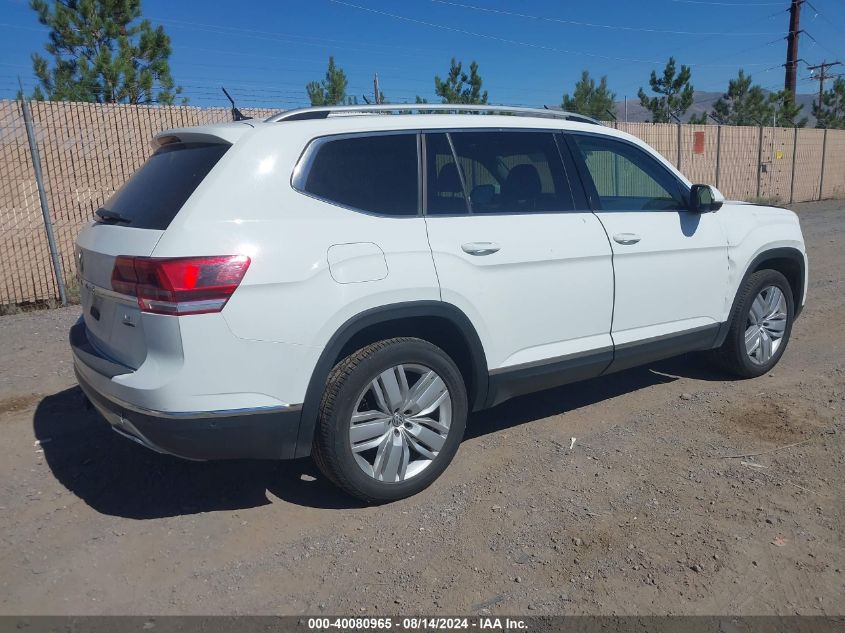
x=698 y=41
x=824 y=17
x=511 y=41
x=257 y=35
x=275 y=33
x=589 y=24
x=730 y=4
x=822 y=76
x=815 y=41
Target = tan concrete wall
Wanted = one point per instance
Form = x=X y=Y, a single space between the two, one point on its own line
x=88 y=150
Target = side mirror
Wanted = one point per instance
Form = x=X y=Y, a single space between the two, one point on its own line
x=704 y=198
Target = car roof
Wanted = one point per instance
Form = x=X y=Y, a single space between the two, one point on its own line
x=361 y=119
x=366 y=122
x=375 y=117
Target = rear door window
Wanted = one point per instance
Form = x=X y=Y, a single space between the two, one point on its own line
x=152 y=197
x=445 y=185
x=372 y=173
x=512 y=172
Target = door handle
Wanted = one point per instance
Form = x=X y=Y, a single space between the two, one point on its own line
x=480 y=248
x=626 y=238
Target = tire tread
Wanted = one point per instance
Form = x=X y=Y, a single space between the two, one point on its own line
x=728 y=356
x=321 y=452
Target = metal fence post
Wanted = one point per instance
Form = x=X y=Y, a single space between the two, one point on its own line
x=679 y=147
x=42 y=197
x=794 y=157
x=718 y=152
x=759 y=160
x=824 y=152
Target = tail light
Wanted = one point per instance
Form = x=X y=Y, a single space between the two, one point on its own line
x=182 y=285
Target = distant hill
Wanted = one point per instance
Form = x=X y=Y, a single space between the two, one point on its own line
x=702 y=102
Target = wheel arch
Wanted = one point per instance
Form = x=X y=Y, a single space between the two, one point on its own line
x=788 y=261
x=440 y=323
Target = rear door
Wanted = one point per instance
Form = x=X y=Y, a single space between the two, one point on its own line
x=131 y=223
x=517 y=250
x=670 y=264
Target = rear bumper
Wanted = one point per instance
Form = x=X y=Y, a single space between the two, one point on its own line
x=257 y=433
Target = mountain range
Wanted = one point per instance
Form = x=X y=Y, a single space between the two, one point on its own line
x=703 y=102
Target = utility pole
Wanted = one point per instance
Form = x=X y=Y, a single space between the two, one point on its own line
x=822 y=76
x=376 y=90
x=792 y=47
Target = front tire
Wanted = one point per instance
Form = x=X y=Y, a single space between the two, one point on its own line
x=760 y=325
x=391 y=419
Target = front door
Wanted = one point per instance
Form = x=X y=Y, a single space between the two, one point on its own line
x=671 y=265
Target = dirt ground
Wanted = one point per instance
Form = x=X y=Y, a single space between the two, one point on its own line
x=648 y=512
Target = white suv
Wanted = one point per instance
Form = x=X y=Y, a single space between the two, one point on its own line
x=351 y=282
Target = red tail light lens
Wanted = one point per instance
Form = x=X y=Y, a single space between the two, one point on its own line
x=183 y=285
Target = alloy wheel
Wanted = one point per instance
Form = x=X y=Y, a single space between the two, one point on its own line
x=766 y=325
x=400 y=422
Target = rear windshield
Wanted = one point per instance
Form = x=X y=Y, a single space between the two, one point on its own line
x=156 y=192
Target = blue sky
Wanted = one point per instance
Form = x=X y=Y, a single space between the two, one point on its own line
x=529 y=51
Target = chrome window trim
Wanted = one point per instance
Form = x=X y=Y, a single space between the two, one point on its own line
x=306 y=158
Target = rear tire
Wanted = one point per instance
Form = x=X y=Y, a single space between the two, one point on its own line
x=391 y=419
x=760 y=326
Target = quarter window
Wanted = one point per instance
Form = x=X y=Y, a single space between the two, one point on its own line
x=626 y=178
x=377 y=173
x=500 y=172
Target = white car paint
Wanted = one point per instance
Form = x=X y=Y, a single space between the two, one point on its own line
x=547 y=292
x=558 y=285
x=674 y=278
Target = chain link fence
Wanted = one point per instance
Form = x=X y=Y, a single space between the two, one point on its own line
x=88 y=150
x=26 y=274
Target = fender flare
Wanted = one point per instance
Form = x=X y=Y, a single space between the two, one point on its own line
x=785 y=252
x=375 y=316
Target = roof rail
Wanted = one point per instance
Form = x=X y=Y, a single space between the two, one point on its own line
x=323 y=112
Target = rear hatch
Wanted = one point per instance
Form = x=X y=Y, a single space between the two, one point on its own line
x=131 y=223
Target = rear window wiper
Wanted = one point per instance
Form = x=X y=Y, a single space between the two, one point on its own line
x=106 y=215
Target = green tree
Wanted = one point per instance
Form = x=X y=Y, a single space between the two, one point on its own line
x=102 y=51
x=589 y=99
x=674 y=90
x=744 y=103
x=785 y=109
x=830 y=113
x=460 y=87
x=330 y=91
x=698 y=119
